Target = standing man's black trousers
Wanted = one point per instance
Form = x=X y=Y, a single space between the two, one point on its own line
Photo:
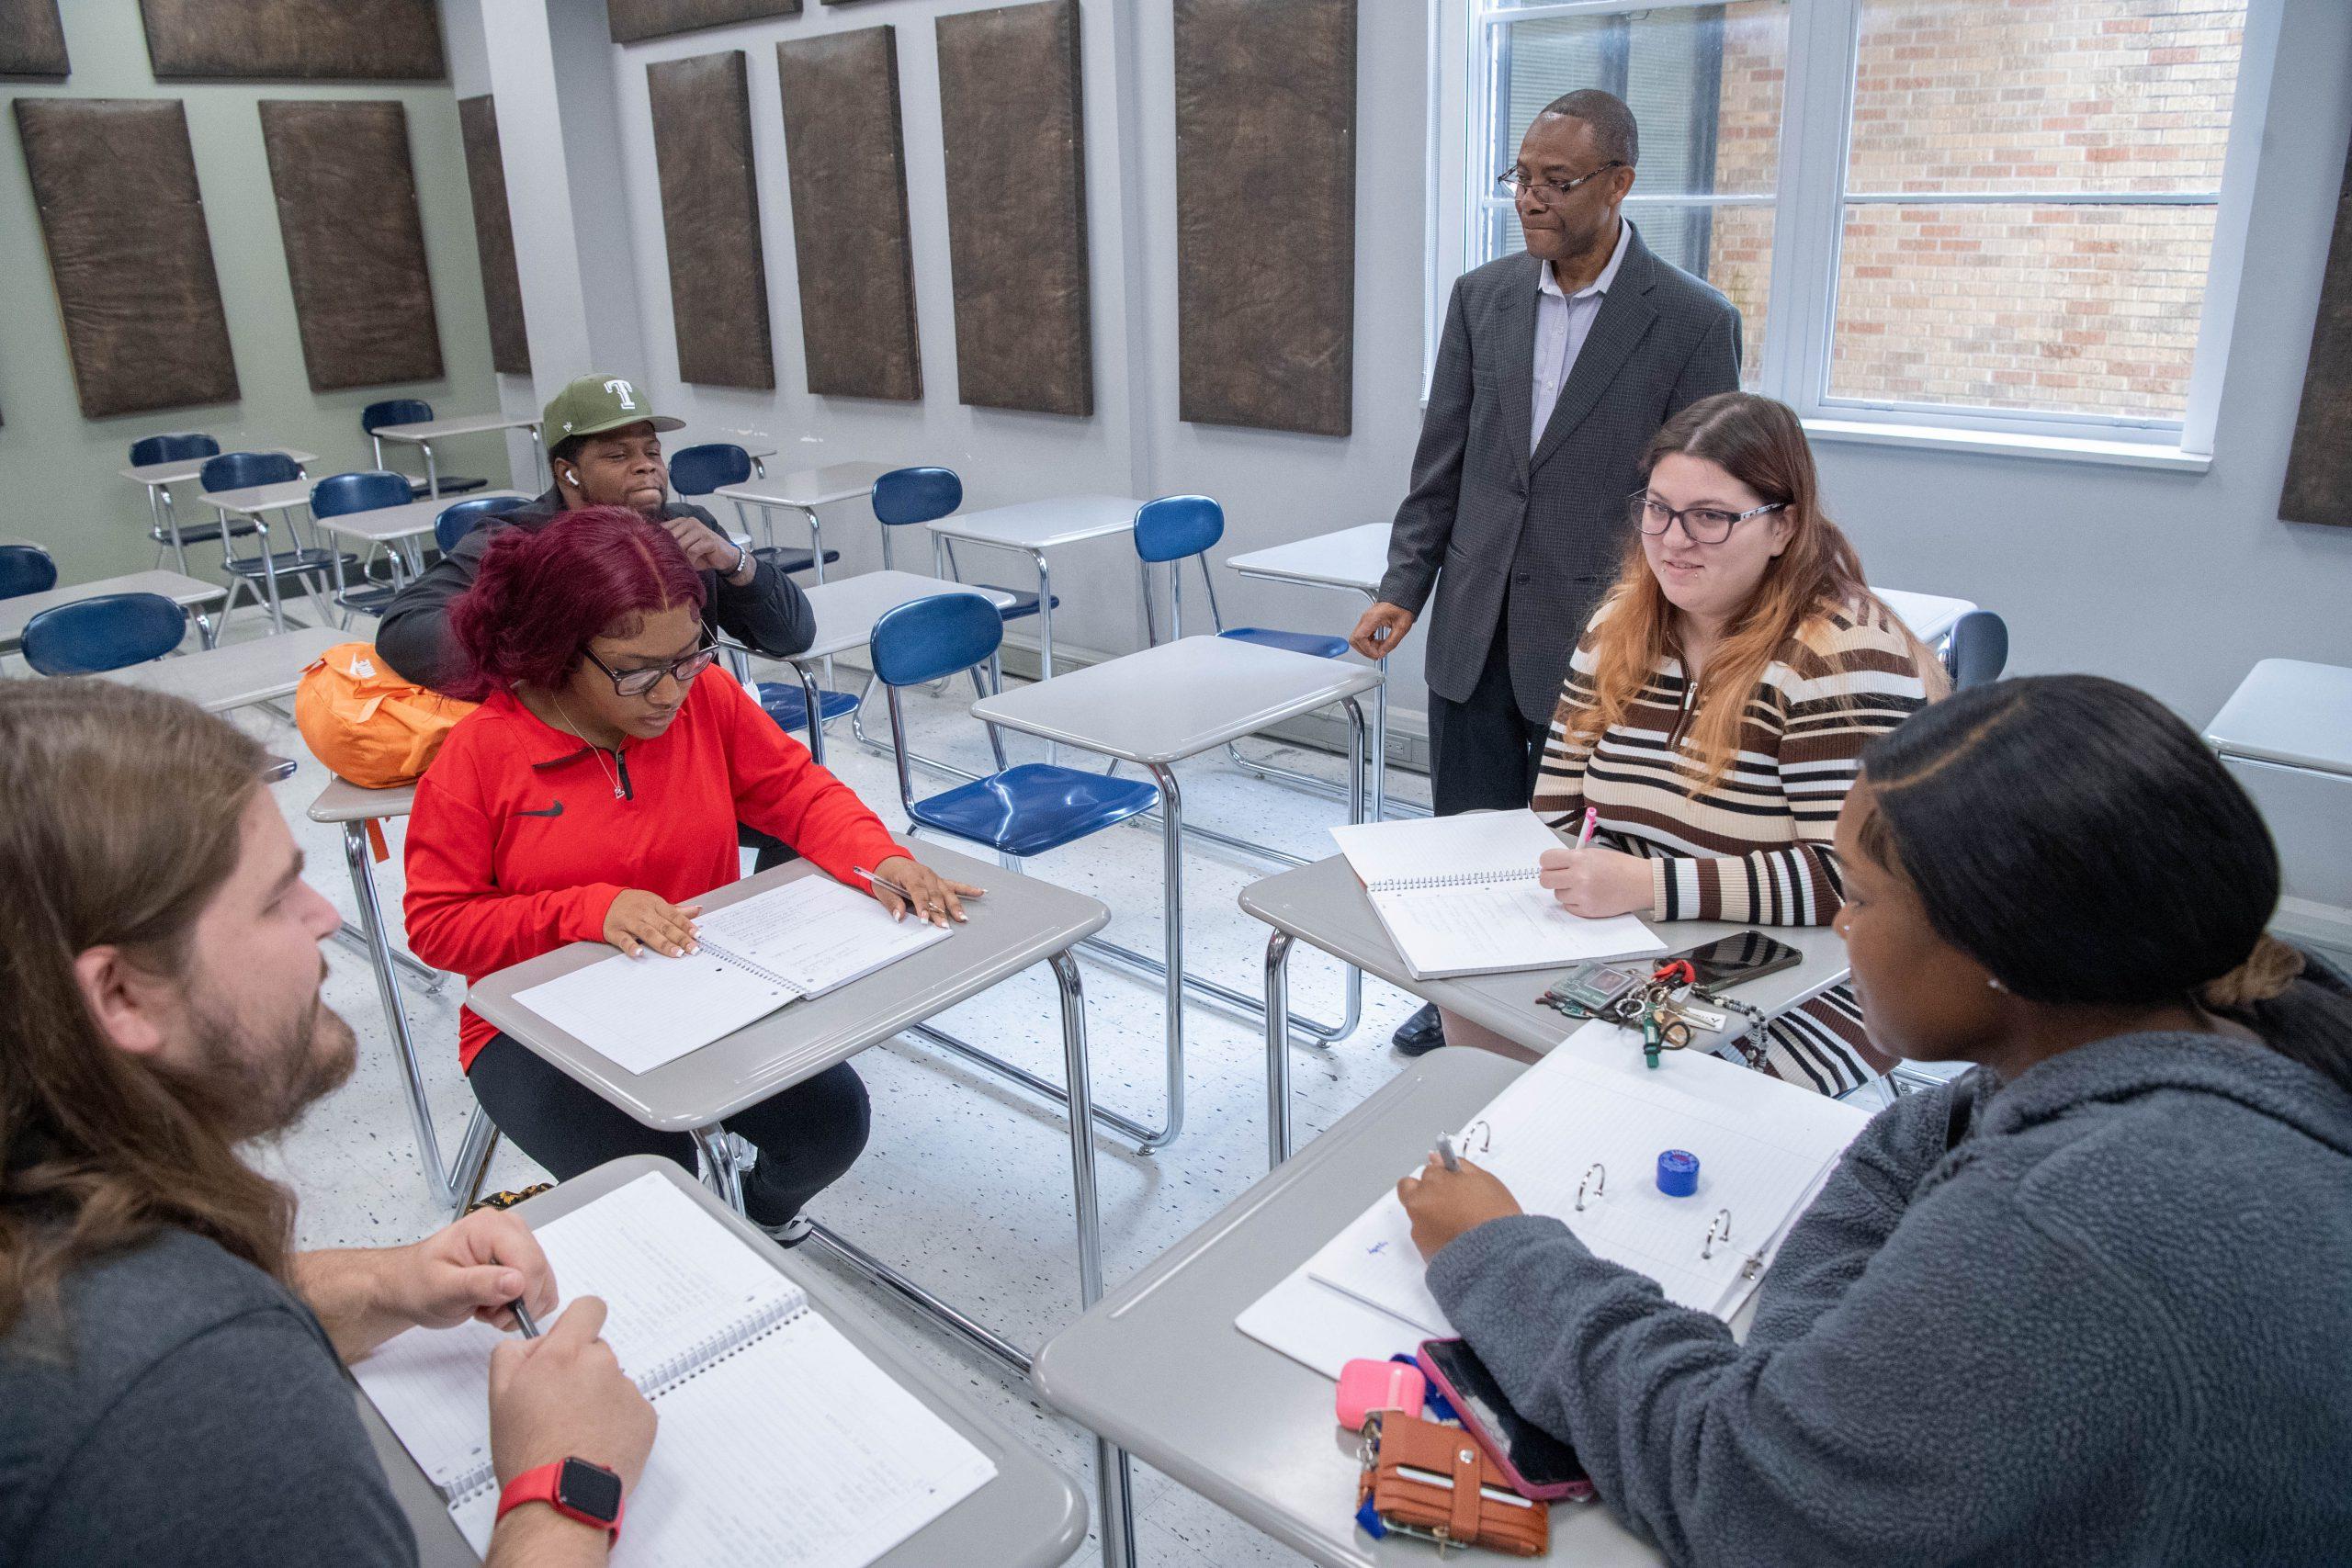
x=1484 y=752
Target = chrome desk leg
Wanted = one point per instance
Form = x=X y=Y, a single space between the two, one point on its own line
x=1115 y=1487
x=1085 y=1199
x=1277 y=1049
x=432 y=474
x=453 y=1186
x=809 y=694
x=1046 y=655
x=722 y=1172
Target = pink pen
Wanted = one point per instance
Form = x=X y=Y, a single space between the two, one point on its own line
x=1591 y=820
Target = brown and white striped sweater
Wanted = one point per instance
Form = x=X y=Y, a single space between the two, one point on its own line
x=1756 y=845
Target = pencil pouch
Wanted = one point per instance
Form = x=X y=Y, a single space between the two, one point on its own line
x=1434 y=1484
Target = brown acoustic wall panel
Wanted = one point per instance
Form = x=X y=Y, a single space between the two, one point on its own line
x=1010 y=111
x=316 y=41
x=32 y=39
x=114 y=181
x=710 y=216
x=354 y=241
x=501 y=284
x=631 y=21
x=1266 y=212
x=849 y=214
x=2319 y=464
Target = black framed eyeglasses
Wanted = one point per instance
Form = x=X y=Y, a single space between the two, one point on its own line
x=683 y=668
x=1513 y=181
x=1705 y=524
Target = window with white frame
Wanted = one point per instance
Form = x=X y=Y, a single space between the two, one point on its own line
x=2005 y=216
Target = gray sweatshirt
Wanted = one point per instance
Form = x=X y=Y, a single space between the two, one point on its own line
x=2101 y=1314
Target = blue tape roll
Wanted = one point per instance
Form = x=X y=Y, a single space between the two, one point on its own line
x=1677 y=1173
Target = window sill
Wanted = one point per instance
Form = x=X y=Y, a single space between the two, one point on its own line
x=2046 y=448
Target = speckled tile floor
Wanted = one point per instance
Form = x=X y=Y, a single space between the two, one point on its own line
x=966 y=1183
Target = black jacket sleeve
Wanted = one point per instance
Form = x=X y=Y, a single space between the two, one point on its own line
x=768 y=615
x=413 y=636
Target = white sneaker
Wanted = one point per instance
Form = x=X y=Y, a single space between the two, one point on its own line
x=791 y=1233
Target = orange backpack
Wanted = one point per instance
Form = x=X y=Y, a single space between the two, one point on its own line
x=371 y=728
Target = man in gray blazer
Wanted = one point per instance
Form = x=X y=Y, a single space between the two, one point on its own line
x=1556 y=369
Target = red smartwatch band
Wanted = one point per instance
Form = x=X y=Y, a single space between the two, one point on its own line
x=547 y=1484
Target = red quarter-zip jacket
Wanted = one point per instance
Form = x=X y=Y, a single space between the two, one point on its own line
x=520 y=839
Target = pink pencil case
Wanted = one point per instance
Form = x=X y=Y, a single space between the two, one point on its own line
x=1367 y=1385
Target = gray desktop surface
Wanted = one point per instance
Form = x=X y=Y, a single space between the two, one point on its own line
x=1177 y=699
x=1159 y=1368
x=1325 y=906
x=1030 y=1514
x=1019 y=922
x=238 y=673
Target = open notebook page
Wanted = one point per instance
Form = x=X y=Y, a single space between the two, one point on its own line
x=1485 y=929
x=795 y=1451
x=1489 y=843
x=1762 y=1152
x=645 y=1011
x=816 y=933
x=674 y=1280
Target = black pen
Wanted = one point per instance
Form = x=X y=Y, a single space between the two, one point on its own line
x=522 y=1318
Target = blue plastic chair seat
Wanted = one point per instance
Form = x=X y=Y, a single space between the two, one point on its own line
x=1024 y=601
x=784 y=559
x=1034 y=807
x=206 y=533
x=787 y=704
x=367 y=601
x=1308 y=643
x=112 y=631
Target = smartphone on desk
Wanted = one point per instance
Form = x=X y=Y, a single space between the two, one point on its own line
x=1536 y=1464
x=1729 y=960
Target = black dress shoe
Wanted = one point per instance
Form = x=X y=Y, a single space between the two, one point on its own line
x=1421 y=1034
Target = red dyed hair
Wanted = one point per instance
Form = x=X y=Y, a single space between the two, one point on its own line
x=541 y=594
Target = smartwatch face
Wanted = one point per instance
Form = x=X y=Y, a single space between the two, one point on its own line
x=592 y=1489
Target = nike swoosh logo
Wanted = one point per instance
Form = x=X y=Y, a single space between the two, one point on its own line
x=555 y=810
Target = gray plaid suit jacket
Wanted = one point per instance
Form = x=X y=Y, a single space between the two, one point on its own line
x=1488 y=524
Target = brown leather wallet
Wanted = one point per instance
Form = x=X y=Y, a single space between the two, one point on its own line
x=1431 y=1481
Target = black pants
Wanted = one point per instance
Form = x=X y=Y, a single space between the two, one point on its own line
x=1484 y=752
x=807 y=1136
x=773 y=852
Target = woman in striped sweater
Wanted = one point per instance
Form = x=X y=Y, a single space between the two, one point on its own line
x=1715 y=711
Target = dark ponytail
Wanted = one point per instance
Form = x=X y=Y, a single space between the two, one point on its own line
x=2078 y=839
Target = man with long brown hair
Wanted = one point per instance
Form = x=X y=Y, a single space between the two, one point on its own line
x=171 y=1383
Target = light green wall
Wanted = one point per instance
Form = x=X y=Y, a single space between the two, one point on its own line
x=58 y=470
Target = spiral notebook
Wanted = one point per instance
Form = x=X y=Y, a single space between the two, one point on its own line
x=1459 y=896
x=803 y=939
x=780 y=1441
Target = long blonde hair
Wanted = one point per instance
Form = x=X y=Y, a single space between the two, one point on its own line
x=1760 y=442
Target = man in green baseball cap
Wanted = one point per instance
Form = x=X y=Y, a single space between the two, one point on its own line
x=604 y=447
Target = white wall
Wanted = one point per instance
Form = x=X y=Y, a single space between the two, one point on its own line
x=2175 y=583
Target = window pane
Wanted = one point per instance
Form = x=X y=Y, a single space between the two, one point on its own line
x=1954 y=96
x=1704 y=83
x=2082 y=310
x=1731 y=247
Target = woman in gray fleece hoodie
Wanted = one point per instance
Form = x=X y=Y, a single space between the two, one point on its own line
x=2092 y=1302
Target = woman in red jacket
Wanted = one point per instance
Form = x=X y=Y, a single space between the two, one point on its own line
x=593 y=796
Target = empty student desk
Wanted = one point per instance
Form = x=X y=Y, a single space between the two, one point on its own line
x=2288 y=714
x=1929 y=615
x=1031 y=528
x=1325 y=906
x=1159 y=1368
x=159 y=478
x=1029 y=1516
x=236 y=675
x=423 y=433
x=1021 y=922
x=846 y=612
x=1354 y=559
x=400 y=529
x=356 y=810
x=187 y=593
x=1157 y=707
x=804 y=490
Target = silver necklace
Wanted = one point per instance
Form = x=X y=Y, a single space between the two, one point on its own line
x=593 y=750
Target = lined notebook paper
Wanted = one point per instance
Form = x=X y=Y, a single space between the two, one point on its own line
x=1764 y=1148
x=803 y=939
x=1459 y=896
x=779 y=1436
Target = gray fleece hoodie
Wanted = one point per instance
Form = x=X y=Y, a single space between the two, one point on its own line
x=2101 y=1314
